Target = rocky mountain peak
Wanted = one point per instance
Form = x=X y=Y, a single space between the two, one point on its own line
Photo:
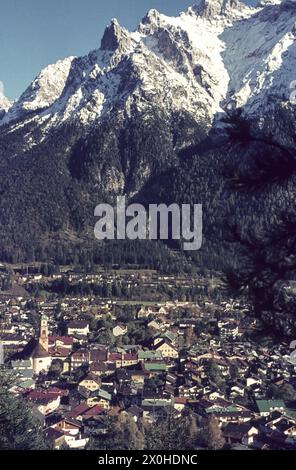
x=212 y=8
x=151 y=21
x=152 y=16
x=113 y=36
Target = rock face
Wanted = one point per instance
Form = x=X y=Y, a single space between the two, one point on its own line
x=114 y=37
x=212 y=8
x=121 y=119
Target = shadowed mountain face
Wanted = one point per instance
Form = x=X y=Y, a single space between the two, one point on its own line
x=144 y=115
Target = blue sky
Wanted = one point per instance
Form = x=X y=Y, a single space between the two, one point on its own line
x=35 y=33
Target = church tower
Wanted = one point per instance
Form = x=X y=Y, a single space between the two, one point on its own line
x=40 y=356
x=43 y=336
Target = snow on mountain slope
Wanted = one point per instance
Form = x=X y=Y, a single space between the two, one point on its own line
x=5 y=104
x=218 y=53
x=43 y=91
x=260 y=55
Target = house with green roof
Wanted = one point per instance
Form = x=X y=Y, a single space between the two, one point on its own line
x=21 y=364
x=266 y=407
x=26 y=384
x=156 y=367
x=155 y=403
x=149 y=355
x=167 y=335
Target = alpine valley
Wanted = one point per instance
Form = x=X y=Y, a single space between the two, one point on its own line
x=187 y=109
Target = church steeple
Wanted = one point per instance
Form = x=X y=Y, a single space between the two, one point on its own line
x=43 y=336
x=40 y=356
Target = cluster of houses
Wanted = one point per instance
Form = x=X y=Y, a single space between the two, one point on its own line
x=72 y=384
x=146 y=277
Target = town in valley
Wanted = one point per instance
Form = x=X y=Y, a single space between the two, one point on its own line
x=95 y=355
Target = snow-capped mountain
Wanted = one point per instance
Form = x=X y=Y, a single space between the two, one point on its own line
x=218 y=54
